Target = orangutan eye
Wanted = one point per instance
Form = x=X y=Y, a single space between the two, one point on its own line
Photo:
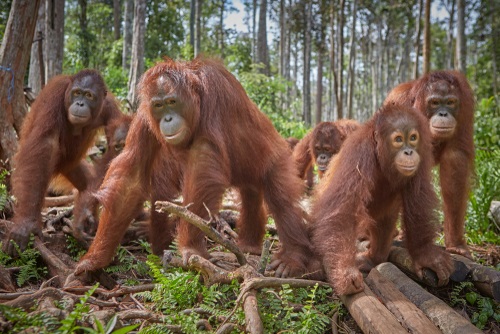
x=77 y=92
x=171 y=102
x=157 y=105
x=413 y=137
x=89 y=95
x=398 y=139
x=450 y=103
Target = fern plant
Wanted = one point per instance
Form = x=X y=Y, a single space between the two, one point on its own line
x=3 y=189
x=27 y=261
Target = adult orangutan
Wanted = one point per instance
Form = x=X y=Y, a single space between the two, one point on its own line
x=55 y=136
x=447 y=100
x=382 y=171
x=196 y=133
x=321 y=144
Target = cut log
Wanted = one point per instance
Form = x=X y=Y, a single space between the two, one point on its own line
x=401 y=258
x=443 y=316
x=369 y=313
x=485 y=279
x=408 y=315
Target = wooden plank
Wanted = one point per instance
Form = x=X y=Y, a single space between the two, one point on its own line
x=370 y=314
x=442 y=315
x=408 y=315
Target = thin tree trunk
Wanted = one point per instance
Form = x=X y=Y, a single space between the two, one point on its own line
x=34 y=77
x=254 y=31
x=137 y=61
x=417 y=39
x=197 y=36
x=427 y=37
x=282 y=38
x=333 y=59
x=461 y=51
x=494 y=41
x=54 y=37
x=352 y=61
x=14 y=58
x=449 y=36
x=128 y=19
x=319 y=88
x=116 y=19
x=306 y=81
x=221 y=25
x=192 y=15
x=85 y=44
x=340 y=48
x=262 y=48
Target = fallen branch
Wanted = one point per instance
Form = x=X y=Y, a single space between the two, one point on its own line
x=485 y=279
x=402 y=259
x=56 y=266
x=408 y=315
x=59 y=200
x=369 y=313
x=204 y=226
x=117 y=292
x=443 y=316
x=252 y=318
x=27 y=301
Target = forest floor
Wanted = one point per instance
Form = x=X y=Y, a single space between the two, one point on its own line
x=230 y=297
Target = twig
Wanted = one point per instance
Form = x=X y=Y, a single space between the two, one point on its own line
x=107 y=294
x=204 y=226
x=59 y=200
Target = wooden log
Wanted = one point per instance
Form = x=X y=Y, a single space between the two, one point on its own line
x=442 y=315
x=369 y=313
x=485 y=279
x=252 y=318
x=408 y=315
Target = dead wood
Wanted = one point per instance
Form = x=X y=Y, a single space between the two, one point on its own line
x=408 y=315
x=185 y=214
x=59 y=200
x=116 y=292
x=401 y=258
x=6 y=283
x=443 y=316
x=57 y=268
x=485 y=279
x=226 y=328
x=27 y=301
x=369 y=313
x=252 y=318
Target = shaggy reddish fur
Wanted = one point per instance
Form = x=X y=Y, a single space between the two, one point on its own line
x=230 y=143
x=51 y=145
x=455 y=155
x=325 y=139
x=364 y=189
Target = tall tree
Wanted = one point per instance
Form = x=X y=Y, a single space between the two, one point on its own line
x=197 y=35
x=417 y=39
x=262 y=48
x=461 y=51
x=495 y=31
x=220 y=35
x=427 y=37
x=449 y=36
x=340 y=63
x=116 y=19
x=320 y=46
x=128 y=17
x=306 y=81
x=14 y=57
x=54 y=41
x=36 y=75
x=192 y=15
x=137 y=61
x=352 y=61
x=84 y=34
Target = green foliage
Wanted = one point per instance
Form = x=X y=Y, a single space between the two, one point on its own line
x=487 y=124
x=279 y=311
x=20 y=320
x=108 y=329
x=4 y=194
x=265 y=92
x=76 y=251
x=483 y=308
x=27 y=261
x=69 y=324
x=127 y=262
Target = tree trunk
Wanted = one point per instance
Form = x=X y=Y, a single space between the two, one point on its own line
x=192 y=15
x=262 y=49
x=449 y=36
x=306 y=81
x=495 y=31
x=427 y=37
x=417 y=39
x=14 y=58
x=333 y=59
x=137 y=61
x=221 y=27
x=319 y=88
x=461 y=51
x=352 y=61
x=340 y=49
x=254 y=31
x=127 y=33
x=54 y=41
x=116 y=19
x=84 y=40
x=197 y=35
x=282 y=44
x=35 y=78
